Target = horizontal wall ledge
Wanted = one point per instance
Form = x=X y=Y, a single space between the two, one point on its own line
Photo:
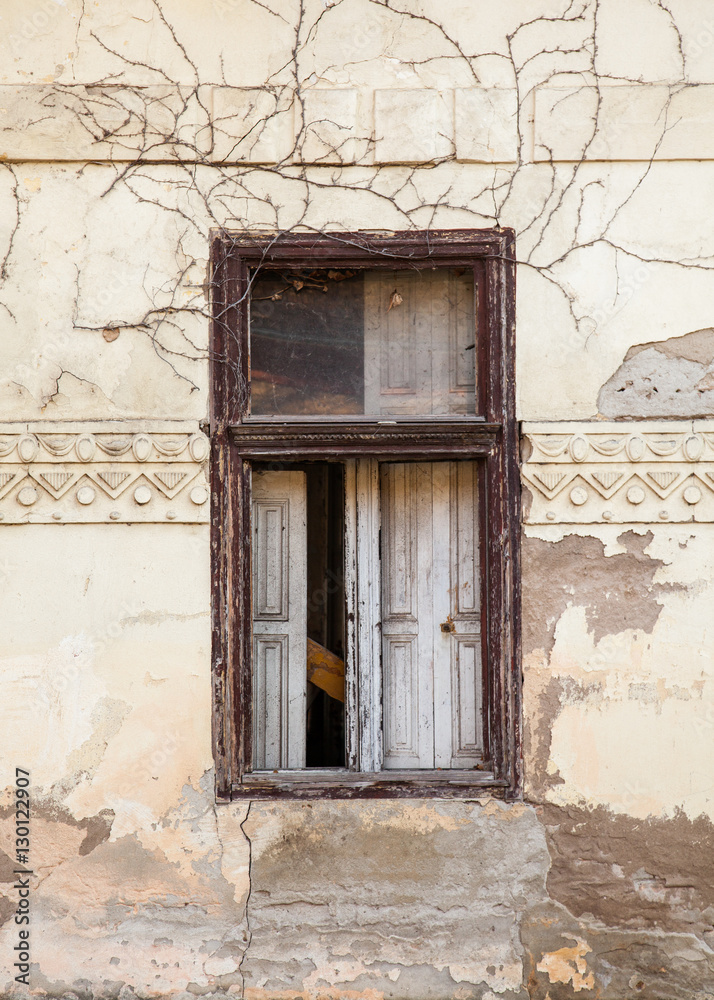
x=347 y=125
x=618 y=122
x=259 y=125
x=68 y=473
x=633 y=472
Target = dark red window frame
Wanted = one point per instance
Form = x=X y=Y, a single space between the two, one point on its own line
x=490 y=435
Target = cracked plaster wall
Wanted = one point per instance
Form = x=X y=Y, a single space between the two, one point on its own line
x=127 y=131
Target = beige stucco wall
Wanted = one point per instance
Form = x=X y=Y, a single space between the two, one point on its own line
x=127 y=132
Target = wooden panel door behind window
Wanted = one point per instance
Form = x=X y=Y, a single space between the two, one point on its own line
x=431 y=641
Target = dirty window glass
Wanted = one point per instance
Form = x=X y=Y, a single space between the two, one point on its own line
x=374 y=343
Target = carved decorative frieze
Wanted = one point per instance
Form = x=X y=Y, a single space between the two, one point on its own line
x=56 y=472
x=643 y=472
x=575 y=473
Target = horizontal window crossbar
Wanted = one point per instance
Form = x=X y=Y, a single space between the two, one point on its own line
x=434 y=437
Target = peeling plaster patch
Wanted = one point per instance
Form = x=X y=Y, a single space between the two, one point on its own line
x=697 y=347
x=569 y=965
x=634 y=759
x=7 y=868
x=625 y=872
x=98 y=830
x=158 y=617
x=418 y=981
x=645 y=692
x=669 y=378
x=107 y=717
x=197 y=838
x=618 y=591
x=122 y=899
x=63 y=687
x=617 y=671
x=568 y=959
x=8 y=907
x=412 y=817
x=545 y=705
x=57 y=836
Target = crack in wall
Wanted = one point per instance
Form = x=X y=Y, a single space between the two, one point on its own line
x=247 y=898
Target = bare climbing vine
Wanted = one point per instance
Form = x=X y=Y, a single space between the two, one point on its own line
x=169 y=147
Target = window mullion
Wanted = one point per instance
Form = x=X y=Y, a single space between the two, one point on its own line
x=352 y=734
x=368 y=599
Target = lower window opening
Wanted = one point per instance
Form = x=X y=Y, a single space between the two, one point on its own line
x=325 y=741
x=417 y=587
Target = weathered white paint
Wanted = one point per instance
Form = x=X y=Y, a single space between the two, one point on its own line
x=419 y=343
x=279 y=618
x=430 y=557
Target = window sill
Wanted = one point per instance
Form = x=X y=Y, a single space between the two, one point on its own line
x=340 y=784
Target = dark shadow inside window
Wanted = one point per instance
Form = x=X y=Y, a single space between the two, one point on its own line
x=325 y=615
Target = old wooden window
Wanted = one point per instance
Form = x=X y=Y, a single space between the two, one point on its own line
x=365 y=515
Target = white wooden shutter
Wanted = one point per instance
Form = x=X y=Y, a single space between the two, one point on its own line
x=279 y=619
x=432 y=680
x=419 y=354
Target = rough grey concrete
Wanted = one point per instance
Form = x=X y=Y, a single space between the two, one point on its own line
x=408 y=900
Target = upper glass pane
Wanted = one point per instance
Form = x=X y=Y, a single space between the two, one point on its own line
x=377 y=343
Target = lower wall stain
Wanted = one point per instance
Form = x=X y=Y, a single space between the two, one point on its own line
x=568 y=958
x=625 y=872
x=379 y=901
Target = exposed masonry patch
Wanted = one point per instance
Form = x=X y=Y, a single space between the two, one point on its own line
x=569 y=959
x=625 y=872
x=618 y=592
x=670 y=378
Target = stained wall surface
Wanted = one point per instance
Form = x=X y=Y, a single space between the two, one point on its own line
x=127 y=132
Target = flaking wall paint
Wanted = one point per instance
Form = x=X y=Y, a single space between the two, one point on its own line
x=599 y=883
